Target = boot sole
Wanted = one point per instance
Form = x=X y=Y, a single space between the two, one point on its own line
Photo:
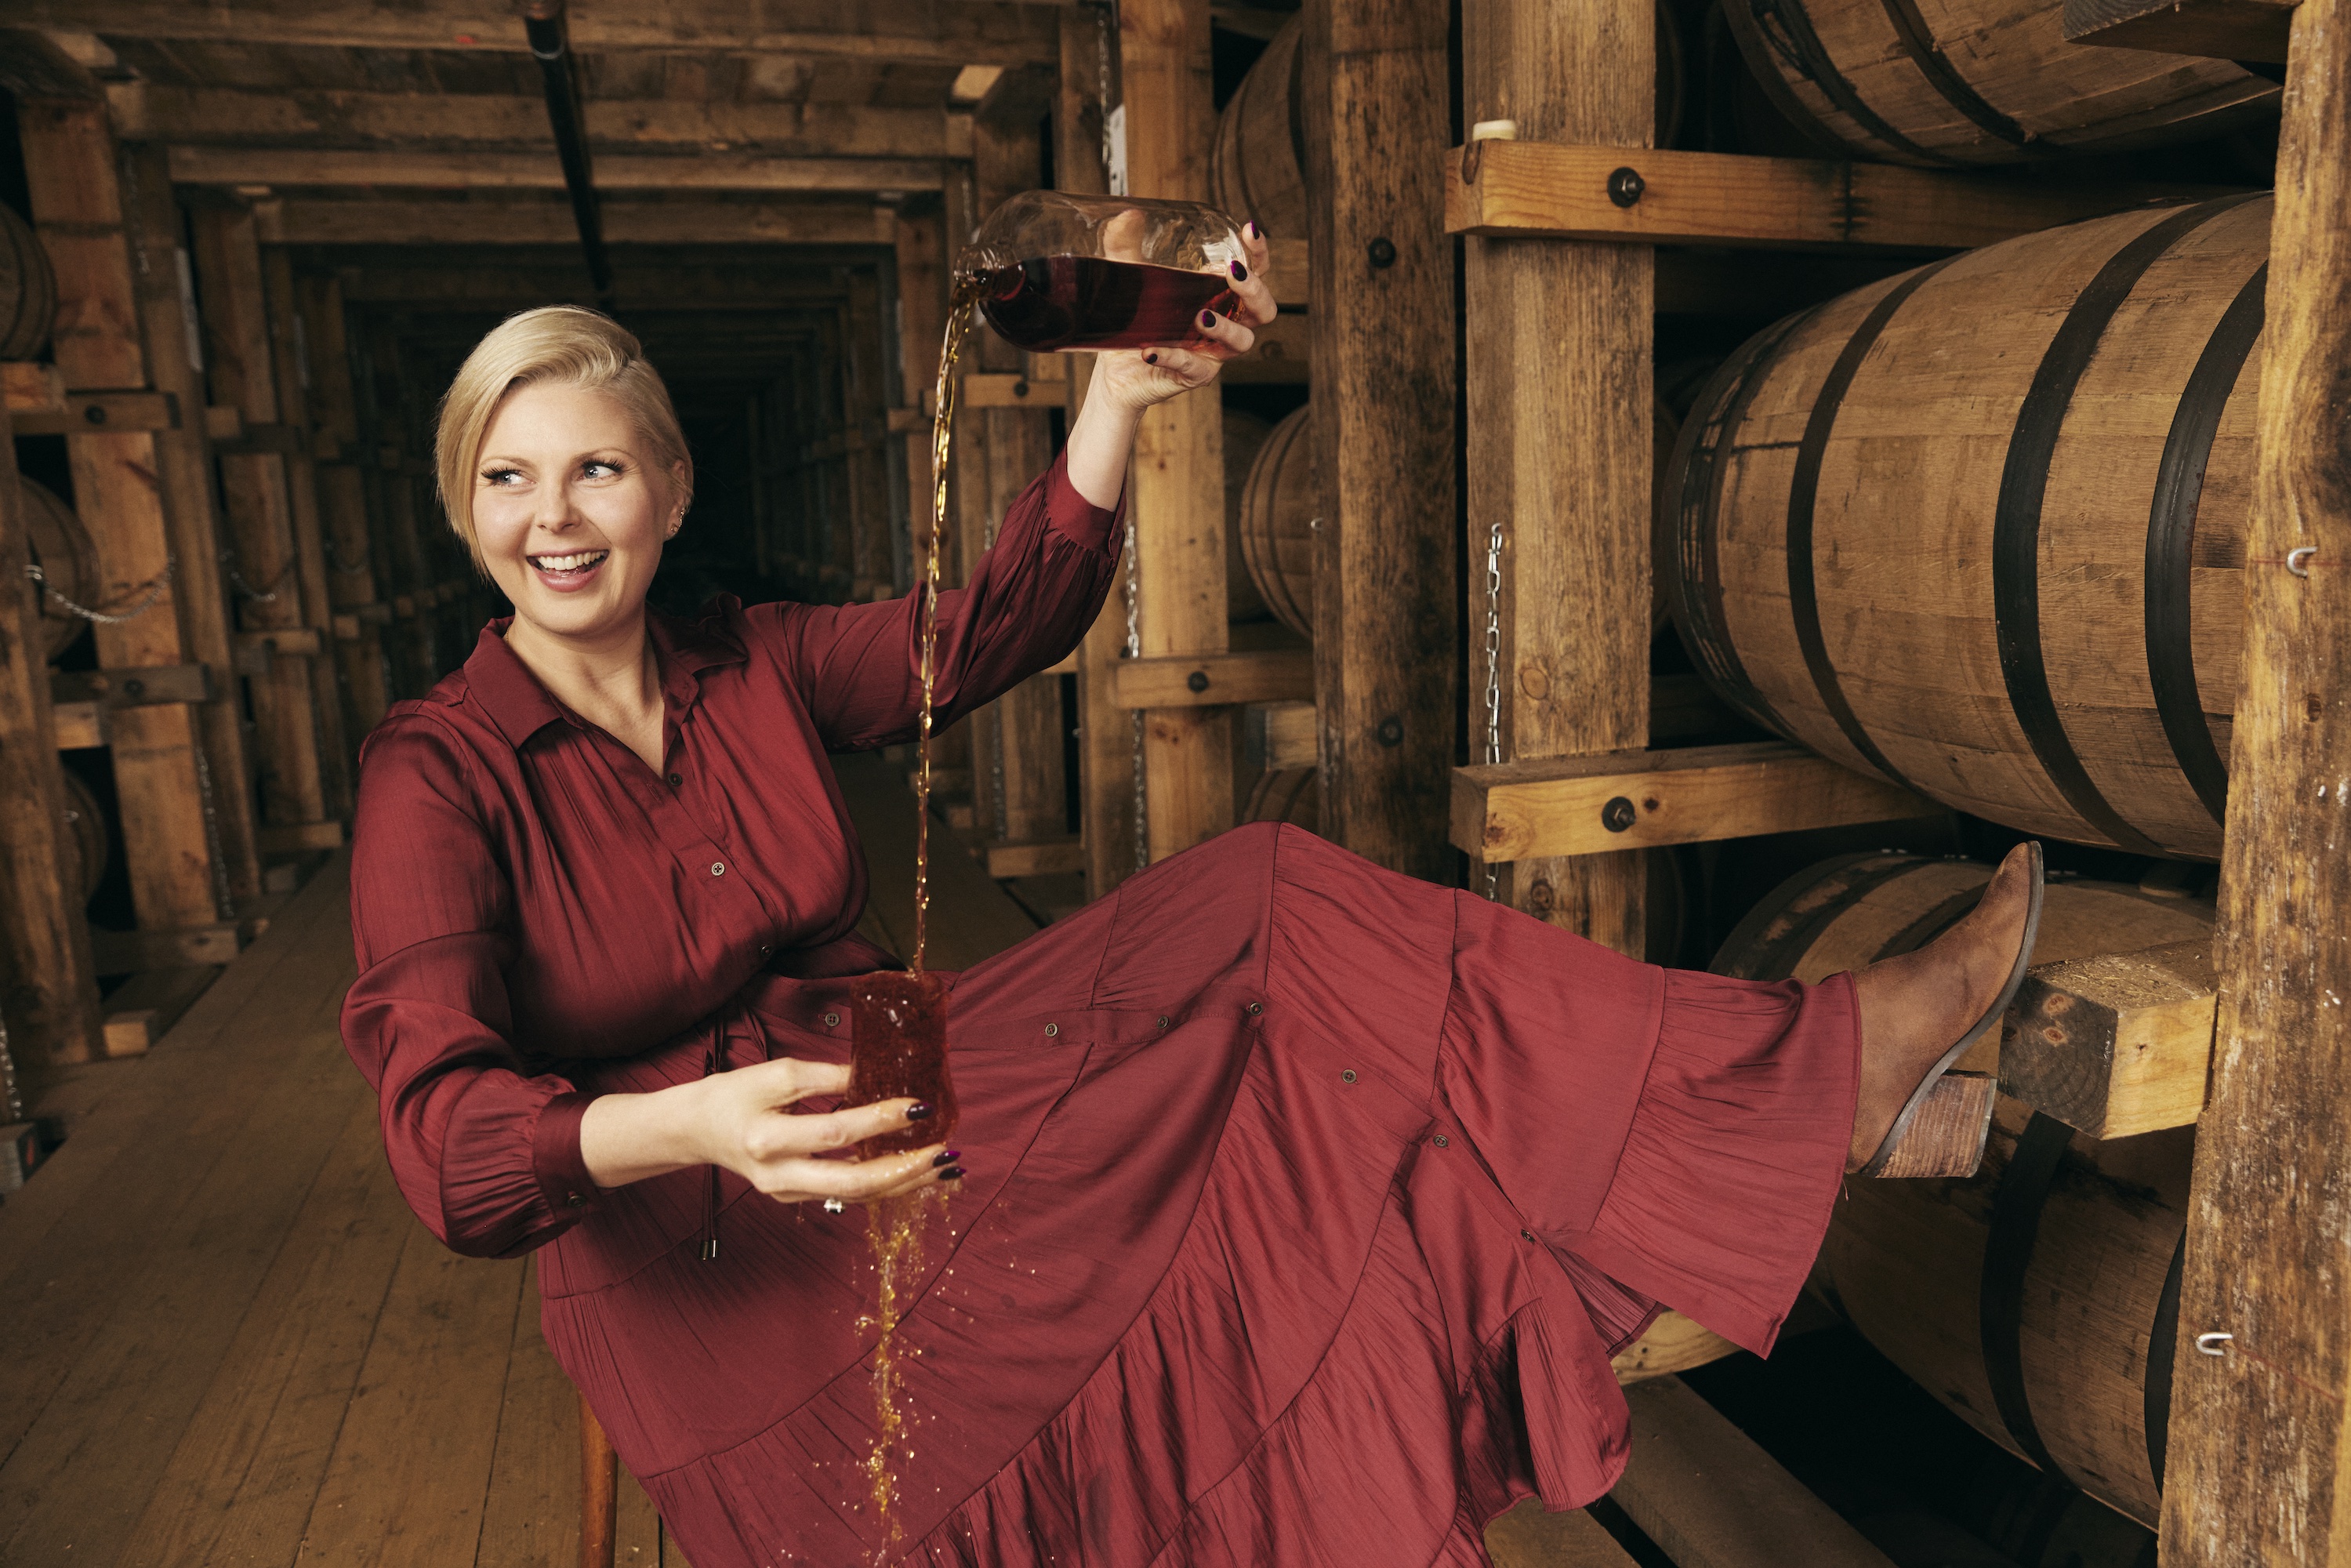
x=1943 y=1126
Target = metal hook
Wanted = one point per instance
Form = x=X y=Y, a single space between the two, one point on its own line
x=2296 y=560
x=2210 y=1343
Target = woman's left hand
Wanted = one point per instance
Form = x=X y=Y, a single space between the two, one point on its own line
x=1134 y=379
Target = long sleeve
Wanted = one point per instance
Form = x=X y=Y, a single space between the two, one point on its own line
x=1026 y=604
x=487 y=1152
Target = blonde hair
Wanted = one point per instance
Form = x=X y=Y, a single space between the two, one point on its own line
x=558 y=345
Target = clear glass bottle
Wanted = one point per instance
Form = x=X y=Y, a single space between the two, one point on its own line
x=1054 y=271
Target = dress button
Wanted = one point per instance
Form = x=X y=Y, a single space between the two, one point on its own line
x=575 y=1200
x=1051 y=1029
x=1163 y=1021
x=831 y=1020
x=765 y=949
x=719 y=868
x=678 y=779
x=1443 y=1142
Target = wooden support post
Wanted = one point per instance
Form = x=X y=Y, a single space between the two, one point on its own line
x=1177 y=490
x=343 y=505
x=50 y=991
x=2259 y=1457
x=177 y=875
x=1377 y=82
x=872 y=570
x=184 y=469
x=265 y=577
x=1559 y=373
x=1106 y=732
x=290 y=369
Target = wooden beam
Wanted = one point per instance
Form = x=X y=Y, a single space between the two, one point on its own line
x=1530 y=1536
x=1528 y=190
x=1109 y=737
x=1176 y=493
x=2258 y=1457
x=1216 y=680
x=1559 y=344
x=2115 y=1044
x=1711 y=1496
x=364 y=683
x=102 y=413
x=1279 y=735
x=297 y=117
x=2218 y=29
x=161 y=772
x=267 y=575
x=133 y=687
x=1641 y=799
x=880 y=32
x=143 y=1008
x=299 y=166
x=1044 y=857
x=1283 y=356
x=80 y=725
x=46 y=976
x=1673 y=1343
x=30 y=387
x=129 y=951
x=443 y=223
x=1377 y=86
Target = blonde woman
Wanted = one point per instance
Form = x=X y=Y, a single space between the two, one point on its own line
x=1297 y=1206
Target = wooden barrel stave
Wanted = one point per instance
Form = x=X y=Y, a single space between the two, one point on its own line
x=1245 y=437
x=29 y=289
x=85 y=838
x=1256 y=166
x=61 y=546
x=1287 y=795
x=1905 y=1261
x=1918 y=477
x=1279 y=501
x=1958 y=82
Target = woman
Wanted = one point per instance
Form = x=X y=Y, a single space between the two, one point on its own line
x=1297 y=1206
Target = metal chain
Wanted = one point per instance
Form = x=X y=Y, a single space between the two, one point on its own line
x=109 y=618
x=1494 y=669
x=1135 y=651
x=335 y=559
x=236 y=580
x=221 y=898
x=12 y=1098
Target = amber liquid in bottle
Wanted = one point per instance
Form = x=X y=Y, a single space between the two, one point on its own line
x=1051 y=302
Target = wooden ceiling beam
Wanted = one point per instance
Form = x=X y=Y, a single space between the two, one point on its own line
x=152 y=111
x=298 y=221
x=302 y=167
x=917 y=32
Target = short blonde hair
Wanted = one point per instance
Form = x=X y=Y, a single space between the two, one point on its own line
x=562 y=345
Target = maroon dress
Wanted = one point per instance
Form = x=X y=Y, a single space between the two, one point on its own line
x=1307 y=1201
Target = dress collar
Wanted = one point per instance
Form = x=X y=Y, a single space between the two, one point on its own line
x=520 y=707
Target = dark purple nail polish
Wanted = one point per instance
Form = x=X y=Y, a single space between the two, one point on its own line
x=1240 y=273
x=918 y=1112
x=1151 y=358
x=947 y=1157
x=953 y=1173
x=1208 y=318
x=1250 y=229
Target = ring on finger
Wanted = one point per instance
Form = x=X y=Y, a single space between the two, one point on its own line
x=834 y=1206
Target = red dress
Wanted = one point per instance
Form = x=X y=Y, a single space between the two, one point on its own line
x=1307 y=1201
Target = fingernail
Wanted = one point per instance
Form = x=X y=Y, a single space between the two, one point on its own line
x=1240 y=273
x=947 y=1158
x=1208 y=318
x=918 y=1112
x=1250 y=229
x=1151 y=358
x=953 y=1173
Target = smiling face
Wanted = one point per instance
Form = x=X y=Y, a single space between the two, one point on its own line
x=572 y=511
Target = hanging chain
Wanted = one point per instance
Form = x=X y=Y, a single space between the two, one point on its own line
x=154 y=591
x=12 y=1098
x=236 y=580
x=1135 y=651
x=221 y=898
x=335 y=559
x=1494 y=669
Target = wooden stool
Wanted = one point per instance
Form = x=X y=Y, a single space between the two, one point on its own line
x=599 y=1490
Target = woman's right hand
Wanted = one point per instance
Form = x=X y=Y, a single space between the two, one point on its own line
x=743 y=1120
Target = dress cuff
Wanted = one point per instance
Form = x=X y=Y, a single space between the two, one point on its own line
x=1074 y=516
x=555 y=1163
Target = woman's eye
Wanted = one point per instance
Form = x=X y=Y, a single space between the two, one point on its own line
x=501 y=477
x=597 y=470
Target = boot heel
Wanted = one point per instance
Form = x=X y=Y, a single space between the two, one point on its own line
x=1942 y=1132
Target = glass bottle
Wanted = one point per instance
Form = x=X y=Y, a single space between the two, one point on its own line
x=1054 y=271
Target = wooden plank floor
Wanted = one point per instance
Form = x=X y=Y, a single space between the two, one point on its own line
x=224 y=1340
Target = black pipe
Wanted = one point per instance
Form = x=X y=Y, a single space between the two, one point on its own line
x=550 y=45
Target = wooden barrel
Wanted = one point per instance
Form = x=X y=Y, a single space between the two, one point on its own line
x=1980 y=528
x=29 y=289
x=1245 y=437
x=2030 y=1297
x=1281 y=500
x=1968 y=82
x=84 y=839
x=1287 y=795
x=61 y=547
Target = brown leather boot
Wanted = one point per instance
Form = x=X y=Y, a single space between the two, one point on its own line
x=1919 y=1014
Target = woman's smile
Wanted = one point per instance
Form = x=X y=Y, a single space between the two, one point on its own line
x=570 y=572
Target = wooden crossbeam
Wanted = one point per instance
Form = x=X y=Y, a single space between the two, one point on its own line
x=1045 y=857
x=101 y=413
x=155 y=111
x=882 y=32
x=1216 y=680
x=443 y=223
x=297 y=167
x=2115 y=1044
x=1524 y=189
x=1640 y=800
x=2218 y=29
